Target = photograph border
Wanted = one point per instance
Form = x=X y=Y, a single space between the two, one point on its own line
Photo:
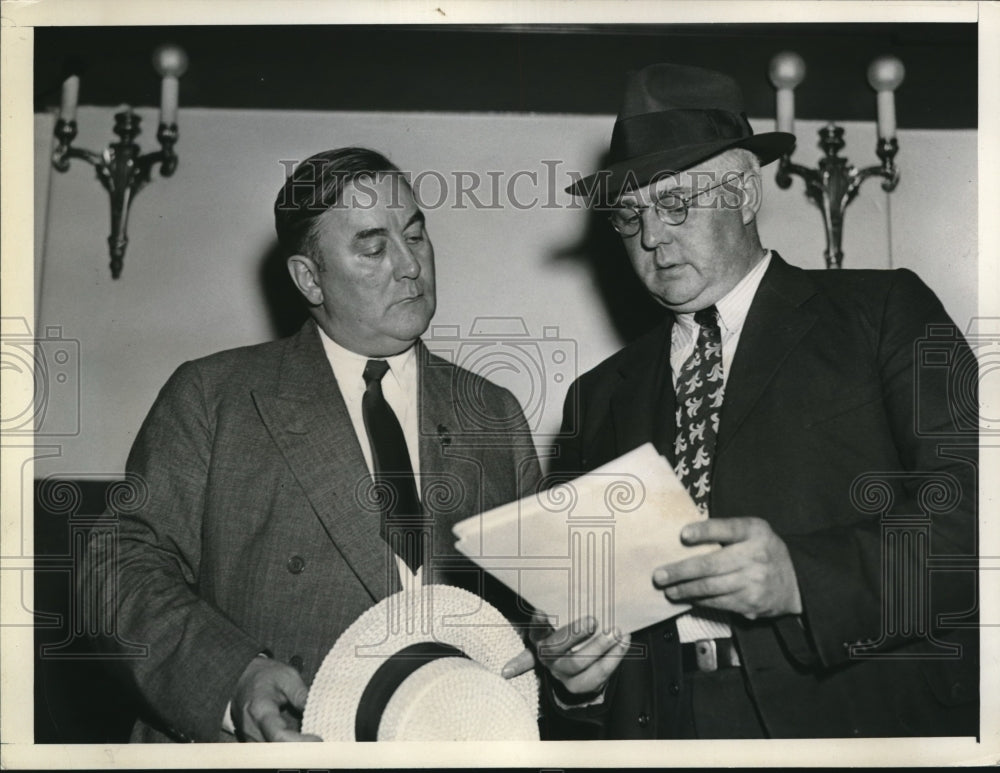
x=18 y=299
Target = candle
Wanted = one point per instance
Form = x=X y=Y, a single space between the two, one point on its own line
x=884 y=75
x=171 y=62
x=785 y=120
x=786 y=72
x=169 y=99
x=70 y=96
x=886 y=101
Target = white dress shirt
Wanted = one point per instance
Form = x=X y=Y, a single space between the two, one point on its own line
x=400 y=386
x=733 y=308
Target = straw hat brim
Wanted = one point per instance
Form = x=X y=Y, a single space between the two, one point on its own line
x=436 y=613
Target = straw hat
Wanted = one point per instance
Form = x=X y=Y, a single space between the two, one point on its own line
x=673 y=117
x=424 y=665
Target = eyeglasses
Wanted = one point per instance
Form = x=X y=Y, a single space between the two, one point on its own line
x=671 y=208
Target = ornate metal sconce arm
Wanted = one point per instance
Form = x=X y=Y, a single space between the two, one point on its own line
x=834 y=184
x=886 y=151
x=122 y=170
x=65 y=133
x=786 y=169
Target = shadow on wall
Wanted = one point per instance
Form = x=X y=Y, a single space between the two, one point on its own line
x=627 y=303
x=599 y=251
x=286 y=308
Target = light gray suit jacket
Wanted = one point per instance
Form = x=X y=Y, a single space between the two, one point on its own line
x=251 y=533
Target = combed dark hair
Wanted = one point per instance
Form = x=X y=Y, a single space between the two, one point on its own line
x=315 y=186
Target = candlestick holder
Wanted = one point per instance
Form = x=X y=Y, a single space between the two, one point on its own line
x=121 y=169
x=834 y=184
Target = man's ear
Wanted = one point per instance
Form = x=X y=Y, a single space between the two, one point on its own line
x=305 y=275
x=753 y=196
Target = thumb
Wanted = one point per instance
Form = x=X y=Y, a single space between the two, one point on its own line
x=298 y=694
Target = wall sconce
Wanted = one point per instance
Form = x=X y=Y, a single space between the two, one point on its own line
x=121 y=169
x=834 y=184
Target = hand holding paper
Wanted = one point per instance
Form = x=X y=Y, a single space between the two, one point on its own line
x=588 y=547
x=578 y=655
x=751 y=574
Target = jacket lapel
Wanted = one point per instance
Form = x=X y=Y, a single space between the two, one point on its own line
x=642 y=407
x=442 y=478
x=309 y=422
x=774 y=325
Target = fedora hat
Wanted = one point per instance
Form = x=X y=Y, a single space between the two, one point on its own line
x=673 y=117
x=424 y=665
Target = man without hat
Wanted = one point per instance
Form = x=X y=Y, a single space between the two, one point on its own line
x=261 y=537
x=794 y=408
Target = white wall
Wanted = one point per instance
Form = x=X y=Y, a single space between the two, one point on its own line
x=192 y=281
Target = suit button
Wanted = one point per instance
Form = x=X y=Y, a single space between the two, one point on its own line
x=643 y=719
x=669 y=635
x=675 y=689
x=295 y=661
x=296 y=564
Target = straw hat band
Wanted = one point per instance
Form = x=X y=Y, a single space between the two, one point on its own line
x=387 y=679
x=424 y=665
x=641 y=135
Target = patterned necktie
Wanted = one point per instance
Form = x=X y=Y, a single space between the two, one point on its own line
x=396 y=487
x=699 y=401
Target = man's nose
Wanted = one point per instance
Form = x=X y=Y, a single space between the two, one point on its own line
x=654 y=231
x=405 y=263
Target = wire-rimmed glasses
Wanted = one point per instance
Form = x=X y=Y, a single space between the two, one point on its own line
x=670 y=207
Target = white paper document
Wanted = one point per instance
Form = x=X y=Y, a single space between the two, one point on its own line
x=589 y=546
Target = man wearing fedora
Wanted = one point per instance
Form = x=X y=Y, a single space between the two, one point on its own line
x=795 y=408
x=259 y=536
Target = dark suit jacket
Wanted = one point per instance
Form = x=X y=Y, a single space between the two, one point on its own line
x=251 y=536
x=832 y=422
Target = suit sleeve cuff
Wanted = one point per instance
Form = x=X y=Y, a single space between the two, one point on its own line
x=227 y=717
x=567 y=701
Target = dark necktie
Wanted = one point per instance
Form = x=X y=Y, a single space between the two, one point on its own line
x=699 y=400
x=403 y=527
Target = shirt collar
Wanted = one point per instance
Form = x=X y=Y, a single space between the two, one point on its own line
x=734 y=306
x=349 y=367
